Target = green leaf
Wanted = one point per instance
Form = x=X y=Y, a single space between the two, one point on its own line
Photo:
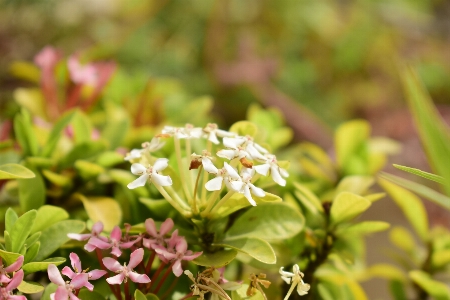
x=49 y=289
x=9 y=257
x=14 y=171
x=40 y=162
x=255 y=247
x=81 y=126
x=357 y=184
x=55 y=134
x=117 y=125
x=57 y=179
x=83 y=151
x=48 y=215
x=351 y=143
x=109 y=158
x=87 y=169
x=32 y=252
x=440 y=258
x=56 y=235
x=30 y=287
x=434 y=288
x=434 y=132
x=421 y=173
x=238 y=201
x=123 y=178
x=86 y=294
x=23 y=129
x=419 y=189
x=103 y=209
x=244 y=128
x=160 y=208
x=138 y=295
x=216 y=259
x=32 y=192
x=347 y=206
x=32 y=239
x=8 y=241
x=273 y=221
x=387 y=271
x=308 y=198
x=10 y=218
x=33 y=267
x=397 y=289
x=401 y=238
x=363 y=228
x=21 y=229
x=411 y=206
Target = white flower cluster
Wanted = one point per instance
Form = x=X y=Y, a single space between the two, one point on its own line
x=253 y=158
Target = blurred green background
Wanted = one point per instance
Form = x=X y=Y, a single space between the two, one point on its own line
x=320 y=62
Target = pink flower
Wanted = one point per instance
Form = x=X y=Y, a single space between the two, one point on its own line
x=155 y=237
x=125 y=271
x=4 y=277
x=65 y=289
x=47 y=59
x=115 y=242
x=76 y=265
x=96 y=231
x=181 y=254
x=6 y=292
x=80 y=74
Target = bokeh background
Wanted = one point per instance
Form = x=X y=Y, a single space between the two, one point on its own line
x=319 y=62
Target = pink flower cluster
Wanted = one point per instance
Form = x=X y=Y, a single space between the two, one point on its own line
x=8 y=284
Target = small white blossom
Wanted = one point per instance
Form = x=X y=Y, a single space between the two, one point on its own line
x=227 y=173
x=248 y=188
x=213 y=132
x=154 y=145
x=178 y=132
x=150 y=173
x=242 y=147
x=200 y=159
x=276 y=171
x=133 y=154
x=295 y=279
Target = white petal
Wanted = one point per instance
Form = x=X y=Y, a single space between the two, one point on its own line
x=138 y=169
x=209 y=166
x=160 y=164
x=138 y=182
x=161 y=180
x=276 y=176
x=303 y=288
x=214 y=184
x=262 y=169
x=236 y=185
x=284 y=173
x=248 y=195
x=260 y=149
x=233 y=142
x=259 y=192
x=226 y=153
x=231 y=171
x=213 y=138
x=286 y=279
x=254 y=153
x=135 y=153
x=223 y=133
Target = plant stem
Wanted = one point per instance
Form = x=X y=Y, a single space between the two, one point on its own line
x=210 y=202
x=174 y=283
x=127 y=290
x=181 y=168
x=169 y=199
x=163 y=278
x=148 y=267
x=206 y=174
x=222 y=201
x=155 y=276
x=194 y=207
x=114 y=290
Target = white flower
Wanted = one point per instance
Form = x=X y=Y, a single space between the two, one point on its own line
x=133 y=154
x=228 y=173
x=187 y=132
x=247 y=186
x=192 y=132
x=154 y=145
x=150 y=173
x=276 y=171
x=200 y=159
x=213 y=132
x=241 y=147
x=295 y=279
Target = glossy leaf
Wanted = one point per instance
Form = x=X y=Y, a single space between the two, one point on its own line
x=109 y=158
x=30 y=287
x=21 y=229
x=86 y=294
x=9 y=257
x=347 y=206
x=364 y=228
x=255 y=247
x=55 y=236
x=411 y=206
x=440 y=258
x=81 y=126
x=138 y=295
x=33 y=267
x=103 y=209
x=14 y=171
x=84 y=150
x=429 y=176
x=434 y=288
x=272 y=221
x=55 y=134
x=32 y=239
x=387 y=271
x=357 y=184
x=49 y=289
x=117 y=125
x=32 y=251
x=57 y=179
x=244 y=128
x=308 y=198
x=32 y=192
x=397 y=289
x=238 y=201
x=23 y=129
x=10 y=218
x=48 y=215
x=216 y=259
x=88 y=169
x=403 y=239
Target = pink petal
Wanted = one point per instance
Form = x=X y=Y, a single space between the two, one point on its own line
x=128 y=244
x=54 y=275
x=73 y=297
x=99 y=243
x=116 y=279
x=139 y=278
x=111 y=264
x=97 y=228
x=89 y=286
x=176 y=268
x=96 y=274
x=116 y=251
x=61 y=293
x=166 y=226
x=89 y=247
x=135 y=258
x=15 y=265
x=116 y=234
x=192 y=257
x=12 y=297
x=181 y=246
x=75 y=261
x=15 y=281
x=150 y=227
x=68 y=272
x=79 y=237
x=79 y=280
x=4 y=278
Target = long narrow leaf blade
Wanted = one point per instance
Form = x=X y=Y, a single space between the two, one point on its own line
x=429 y=176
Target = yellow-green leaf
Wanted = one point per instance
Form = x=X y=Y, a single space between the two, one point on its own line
x=103 y=209
x=13 y=171
x=347 y=206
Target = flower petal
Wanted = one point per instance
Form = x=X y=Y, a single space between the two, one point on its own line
x=176 y=268
x=231 y=171
x=116 y=279
x=213 y=138
x=75 y=262
x=61 y=293
x=258 y=192
x=262 y=169
x=227 y=153
x=79 y=280
x=192 y=256
x=138 y=182
x=138 y=169
x=68 y=272
x=276 y=176
x=135 y=258
x=166 y=226
x=111 y=264
x=79 y=237
x=151 y=228
x=248 y=195
x=15 y=265
x=161 y=180
x=160 y=164
x=54 y=275
x=233 y=142
x=209 y=166
x=15 y=281
x=139 y=278
x=97 y=228
x=96 y=274
x=214 y=184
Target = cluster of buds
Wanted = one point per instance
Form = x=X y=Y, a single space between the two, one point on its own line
x=243 y=162
x=170 y=248
x=10 y=278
